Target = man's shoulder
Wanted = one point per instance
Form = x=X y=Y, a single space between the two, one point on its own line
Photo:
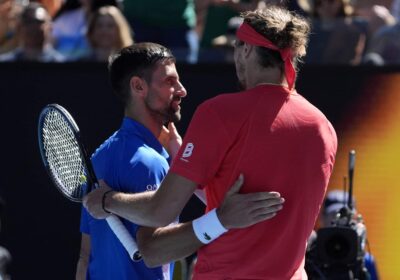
x=223 y=100
x=123 y=145
x=109 y=146
x=303 y=104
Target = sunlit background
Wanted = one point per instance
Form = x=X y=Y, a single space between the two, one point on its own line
x=371 y=126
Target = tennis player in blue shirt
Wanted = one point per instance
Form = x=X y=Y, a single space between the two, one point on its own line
x=134 y=160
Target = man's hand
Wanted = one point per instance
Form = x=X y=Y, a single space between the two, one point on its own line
x=93 y=201
x=243 y=210
x=170 y=139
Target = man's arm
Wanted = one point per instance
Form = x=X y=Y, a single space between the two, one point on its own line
x=147 y=208
x=81 y=268
x=174 y=242
x=152 y=209
x=160 y=208
x=159 y=246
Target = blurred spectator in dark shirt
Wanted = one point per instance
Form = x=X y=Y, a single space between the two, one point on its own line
x=33 y=30
x=337 y=37
x=217 y=24
x=168 y=22
x=377 y=16
x=217 y=13
x=9 y=11
x=384 y=48
x=108 y=31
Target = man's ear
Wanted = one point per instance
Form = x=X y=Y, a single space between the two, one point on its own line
x=247 y=49
x=138 y=86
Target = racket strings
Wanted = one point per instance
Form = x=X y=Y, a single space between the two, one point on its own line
x=63 y=155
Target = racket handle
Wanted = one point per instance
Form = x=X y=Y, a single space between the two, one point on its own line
x=123 y=235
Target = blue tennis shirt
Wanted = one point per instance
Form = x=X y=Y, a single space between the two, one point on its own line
x=131 y=160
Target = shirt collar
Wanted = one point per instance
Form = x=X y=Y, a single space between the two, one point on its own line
x=131 y=126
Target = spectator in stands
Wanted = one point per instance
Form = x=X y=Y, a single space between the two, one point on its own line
x=69 y=29
x=70 y=26
x=33 y=30
x=216 y=22
x=384 y=48
x=377 y=16
x=337 y=38
x=108 y=31
x=169 y=23
x=9 y=12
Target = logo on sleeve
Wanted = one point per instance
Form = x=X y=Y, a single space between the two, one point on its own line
x=187 y=152
x=206 y=236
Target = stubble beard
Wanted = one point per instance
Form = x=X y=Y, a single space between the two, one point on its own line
x=173 y=116
x=165 y=115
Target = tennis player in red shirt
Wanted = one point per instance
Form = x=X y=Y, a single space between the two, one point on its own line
x=269 y=133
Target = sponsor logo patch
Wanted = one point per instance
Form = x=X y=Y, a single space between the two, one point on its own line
x=188 y=150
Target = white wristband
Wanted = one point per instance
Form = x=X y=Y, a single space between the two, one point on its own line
x=208 y=227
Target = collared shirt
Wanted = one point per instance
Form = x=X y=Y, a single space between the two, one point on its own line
x=132 y=160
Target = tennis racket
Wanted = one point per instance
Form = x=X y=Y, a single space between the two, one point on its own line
x=69 y=167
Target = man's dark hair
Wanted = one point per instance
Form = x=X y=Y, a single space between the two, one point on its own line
x=139 y=60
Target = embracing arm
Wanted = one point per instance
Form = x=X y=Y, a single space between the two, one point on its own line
x=167 y=244
x=156 y=209
x=83 y=261
x=174 y=242
x=152 y=209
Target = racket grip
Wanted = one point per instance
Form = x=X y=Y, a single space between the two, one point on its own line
x=124 y=236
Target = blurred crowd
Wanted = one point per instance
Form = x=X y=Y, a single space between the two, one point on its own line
x=349 y=32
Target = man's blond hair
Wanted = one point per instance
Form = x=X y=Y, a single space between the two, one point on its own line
x=283 y=28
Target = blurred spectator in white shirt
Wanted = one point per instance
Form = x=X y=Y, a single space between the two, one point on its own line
x=70 y=26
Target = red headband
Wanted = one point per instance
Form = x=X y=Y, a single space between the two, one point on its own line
x=247 y=34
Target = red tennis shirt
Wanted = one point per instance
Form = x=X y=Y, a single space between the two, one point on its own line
x=280 y=142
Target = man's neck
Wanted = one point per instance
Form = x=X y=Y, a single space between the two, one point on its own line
x=148 y=121
x=271 y=76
